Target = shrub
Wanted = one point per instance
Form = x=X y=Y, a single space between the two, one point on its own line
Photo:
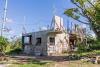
x=95 y=45
x=15 y=51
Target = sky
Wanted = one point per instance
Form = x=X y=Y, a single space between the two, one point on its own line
x=33 y=14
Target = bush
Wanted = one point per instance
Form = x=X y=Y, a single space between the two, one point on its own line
x=92 y=44
x=95 y=46
x=3 y=43
x=74 y=57
x=83 y=48
x=15 y=51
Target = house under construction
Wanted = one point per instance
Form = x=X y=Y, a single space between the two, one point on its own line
x=51 y=42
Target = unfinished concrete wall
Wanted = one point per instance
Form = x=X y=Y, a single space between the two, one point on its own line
x=28 y=49
x=45 y=48
x=61 y=44
x=61 y=40
x=57 y=23
x=41 y=48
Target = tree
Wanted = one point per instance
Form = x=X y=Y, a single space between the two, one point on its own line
x=17 y=43
x=3 y=43
x=88 y=10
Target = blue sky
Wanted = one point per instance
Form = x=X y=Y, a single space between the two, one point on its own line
x=38 y=13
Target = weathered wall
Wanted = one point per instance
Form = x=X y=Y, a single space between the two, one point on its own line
x=60 y=44
x=43 y=47
x=61 y=40
x=37 y=49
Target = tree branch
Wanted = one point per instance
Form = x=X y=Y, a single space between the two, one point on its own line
x=80 y=21
x=84 y=12
x=92 y=5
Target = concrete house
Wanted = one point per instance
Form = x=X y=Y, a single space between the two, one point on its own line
x=50 y=42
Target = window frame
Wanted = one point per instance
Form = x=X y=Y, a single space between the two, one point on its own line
x=52 y=40
x=38 y=41
x=30 y=39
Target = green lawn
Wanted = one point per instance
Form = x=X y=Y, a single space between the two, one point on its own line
x=26 y=65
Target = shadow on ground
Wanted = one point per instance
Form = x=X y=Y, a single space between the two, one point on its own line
x=43 y=58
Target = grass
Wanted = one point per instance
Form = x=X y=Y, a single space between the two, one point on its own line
x=26 y=63
x=33 y=61
x=38 y=63
x=31 y=64
x=90 y=52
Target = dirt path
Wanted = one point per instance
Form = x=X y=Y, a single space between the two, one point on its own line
x=4 y=65
x=57 y=61
x=73 y=64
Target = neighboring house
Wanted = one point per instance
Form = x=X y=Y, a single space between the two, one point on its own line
x=51 y=42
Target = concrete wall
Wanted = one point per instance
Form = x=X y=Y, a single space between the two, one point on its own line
x=37 y=49
x=43 y=47
x=61 y=44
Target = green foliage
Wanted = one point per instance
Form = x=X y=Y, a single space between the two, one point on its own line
x=15 y=51
x=82 y=48
x=70 y=12
x=86 y=9
x=10 y=47
x=95 y=45
x=30 y=62
x=25 y=65
x=3 y=44
x=15 y=47
x=81 y=2
x=90 y=45
x=18 y=43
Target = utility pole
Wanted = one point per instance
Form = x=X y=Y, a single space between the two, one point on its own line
x=4 y=17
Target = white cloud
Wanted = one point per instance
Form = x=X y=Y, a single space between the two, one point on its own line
x=43 y=28
x=9 y=20
x=11 y=32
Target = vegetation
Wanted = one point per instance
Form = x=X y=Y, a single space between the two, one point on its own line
x=90 y=45
x=7 y=46
x=29 y=62
x=89 y=11
x=25 y=65
x=3 y=44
